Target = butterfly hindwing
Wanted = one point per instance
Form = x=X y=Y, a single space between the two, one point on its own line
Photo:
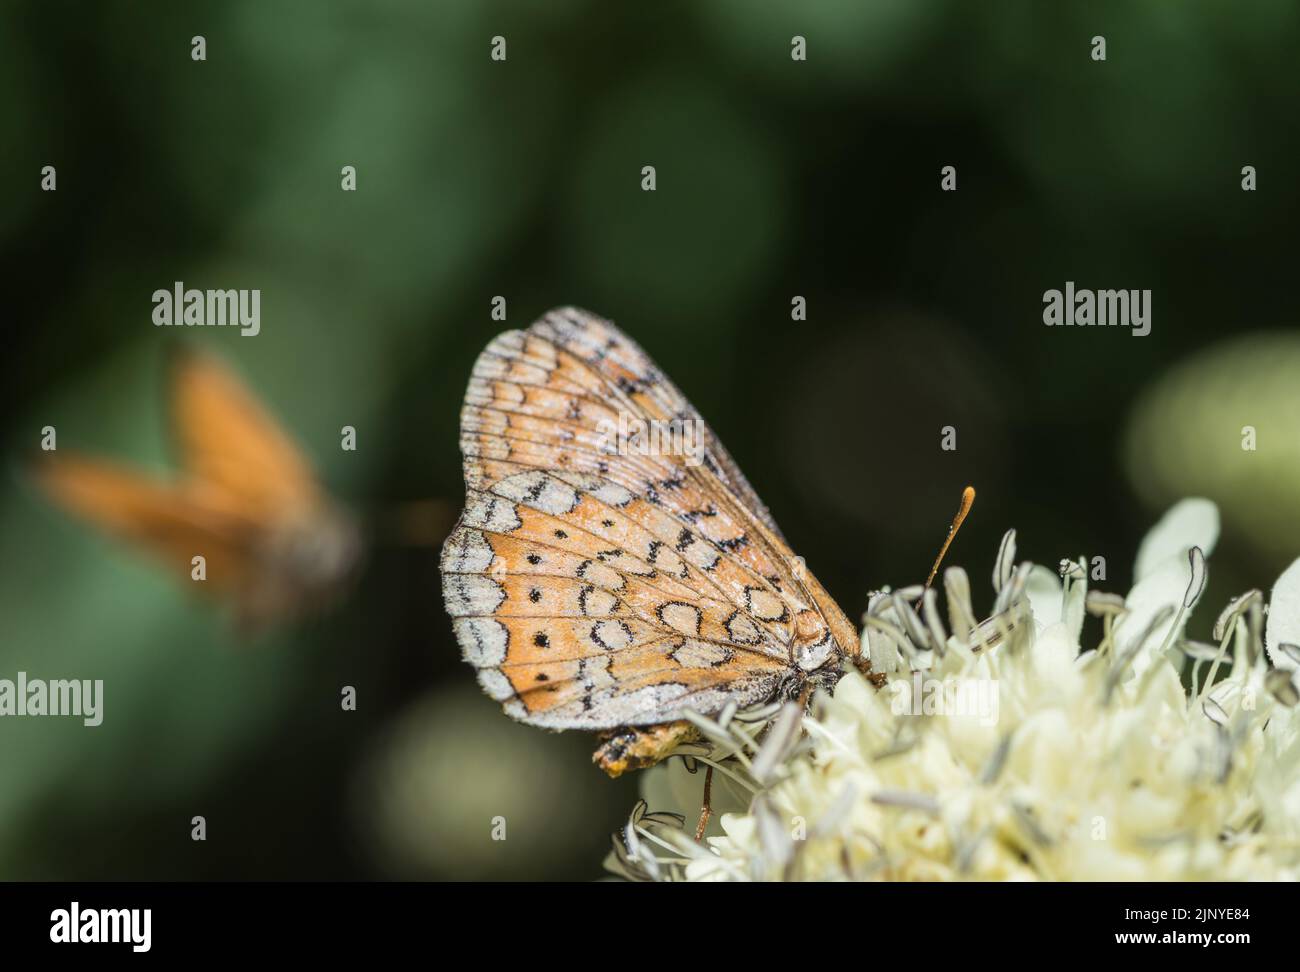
x=575 y=624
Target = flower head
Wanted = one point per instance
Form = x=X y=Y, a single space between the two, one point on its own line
x=1005 y=750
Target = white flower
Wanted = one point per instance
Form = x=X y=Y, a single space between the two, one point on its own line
x=1011 y=754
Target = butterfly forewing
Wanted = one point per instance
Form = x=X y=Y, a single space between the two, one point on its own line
x=596 y=583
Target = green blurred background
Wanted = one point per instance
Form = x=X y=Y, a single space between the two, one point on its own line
x=522 y=179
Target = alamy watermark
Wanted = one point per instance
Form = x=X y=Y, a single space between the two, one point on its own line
x=1099 y=308
x=208 y=308
x=130 y=926
x=633 y=436
x=924 y=695
x=58 y=697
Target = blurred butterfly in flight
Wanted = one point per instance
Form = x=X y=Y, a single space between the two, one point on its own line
x=247 y=502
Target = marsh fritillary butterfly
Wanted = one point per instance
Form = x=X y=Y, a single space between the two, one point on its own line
x=599 y=584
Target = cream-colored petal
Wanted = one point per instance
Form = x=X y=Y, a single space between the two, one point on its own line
x=1188 y=523
x=1043 y=588
x=1283 y=625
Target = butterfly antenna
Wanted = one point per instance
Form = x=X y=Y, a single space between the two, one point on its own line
x=967 y=501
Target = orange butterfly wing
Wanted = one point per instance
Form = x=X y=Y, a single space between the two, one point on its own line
x=174 y=523
x=229 y=442
x=593 y=586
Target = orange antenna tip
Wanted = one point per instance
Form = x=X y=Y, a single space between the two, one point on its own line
x=967 y=501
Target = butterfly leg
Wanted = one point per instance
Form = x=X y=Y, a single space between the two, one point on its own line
x=863 y=665
x=707 y=810
x=632 y=748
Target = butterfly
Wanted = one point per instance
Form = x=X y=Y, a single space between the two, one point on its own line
x=248 y=503
x=599 y=584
